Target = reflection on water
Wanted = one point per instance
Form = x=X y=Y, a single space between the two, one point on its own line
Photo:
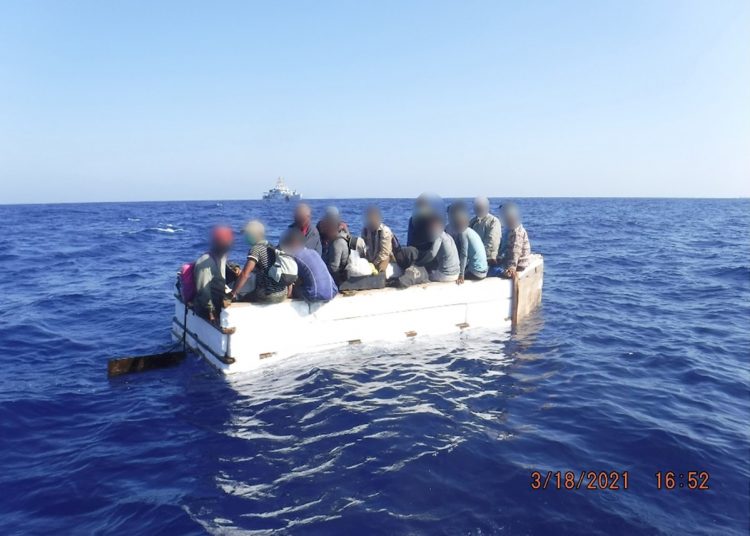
x=329 y=433
x=637 y=361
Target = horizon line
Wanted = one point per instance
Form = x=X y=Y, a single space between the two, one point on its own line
x=304 y=199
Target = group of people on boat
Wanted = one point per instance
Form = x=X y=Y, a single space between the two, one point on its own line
x=316 y=262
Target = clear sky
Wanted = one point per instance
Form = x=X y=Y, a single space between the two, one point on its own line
x=156 y=100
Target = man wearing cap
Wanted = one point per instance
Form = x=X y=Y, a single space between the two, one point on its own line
x=210 y=274
x=487 y=227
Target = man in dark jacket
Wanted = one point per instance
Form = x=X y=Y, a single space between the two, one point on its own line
x=303 y=223
x=421 y=235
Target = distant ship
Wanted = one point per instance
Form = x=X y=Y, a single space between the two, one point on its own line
x=281 y=192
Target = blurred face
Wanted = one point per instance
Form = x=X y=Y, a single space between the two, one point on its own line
x=481 y=207
x=222 y=243
x=302 y=215
x=291 y=244
x=373 y=219
x=461 y=222
x=422 y=205
x=252 y=238
x=326 y=228
x=511 y=217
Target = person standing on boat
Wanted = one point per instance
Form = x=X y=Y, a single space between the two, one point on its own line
x=210 y=275
x=445 y=265
x=260 y=258
x=471 y=251
x=314 y=283
x=487 y=227
x=303 y=223
x=379 y=240
x=515 y=248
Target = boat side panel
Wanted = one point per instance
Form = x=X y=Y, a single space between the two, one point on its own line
x=527 y=291
x=265 y=333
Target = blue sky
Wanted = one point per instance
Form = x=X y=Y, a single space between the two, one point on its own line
x=114 y=101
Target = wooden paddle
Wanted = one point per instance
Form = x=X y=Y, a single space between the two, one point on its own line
x=127 y=365
x=139 y=363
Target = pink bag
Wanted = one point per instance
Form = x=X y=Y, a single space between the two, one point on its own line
x=187 y=283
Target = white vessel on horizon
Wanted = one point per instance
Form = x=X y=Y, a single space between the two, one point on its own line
x=281 y=192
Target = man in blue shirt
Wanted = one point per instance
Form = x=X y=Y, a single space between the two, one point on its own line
x=314 y=282
x=472 y=255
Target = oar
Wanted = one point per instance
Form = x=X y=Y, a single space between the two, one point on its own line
x=126 y=365
x=139 y=363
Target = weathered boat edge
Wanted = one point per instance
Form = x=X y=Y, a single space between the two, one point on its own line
x=296 y=327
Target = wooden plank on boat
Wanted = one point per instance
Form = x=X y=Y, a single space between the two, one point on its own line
x=126 y=365
x=527 y=292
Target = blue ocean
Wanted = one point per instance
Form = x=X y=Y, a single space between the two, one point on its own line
x=637 y=361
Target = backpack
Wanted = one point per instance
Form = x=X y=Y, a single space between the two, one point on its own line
x=186 y=283
x=284 y=268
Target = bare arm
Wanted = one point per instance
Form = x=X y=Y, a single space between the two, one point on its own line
x=243 y=277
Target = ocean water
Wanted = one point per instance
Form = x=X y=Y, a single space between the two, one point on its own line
x=637 y=361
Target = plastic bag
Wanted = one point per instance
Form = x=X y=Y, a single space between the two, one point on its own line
x=357 y=266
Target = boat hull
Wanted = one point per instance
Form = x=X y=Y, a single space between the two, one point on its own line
x=295 y=197
x=254 y=335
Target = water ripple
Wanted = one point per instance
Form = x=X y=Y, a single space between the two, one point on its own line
x=637 y=361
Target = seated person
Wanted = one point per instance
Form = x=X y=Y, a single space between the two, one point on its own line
x=314 y=283
x=379 y=240
x=331 y=212
x=515 y=249
x=260 y=258
x=303 y=223
x=445 y=266
x=336 y=253
x=487 y=227
x=210 y=275
x=420 y=235
x=471 y=252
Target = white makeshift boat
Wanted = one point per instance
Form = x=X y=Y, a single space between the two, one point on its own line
x=252 y=335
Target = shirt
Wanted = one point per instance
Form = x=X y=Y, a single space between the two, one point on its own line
x=312 y=237
x=488 y=228
x=419 y=234
x=471 y=252
x=378 y=244
x=515 y=250
x=445 y=254
x=314 y=283
x=336 y=256
x=209 y=274
x=264 y=259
